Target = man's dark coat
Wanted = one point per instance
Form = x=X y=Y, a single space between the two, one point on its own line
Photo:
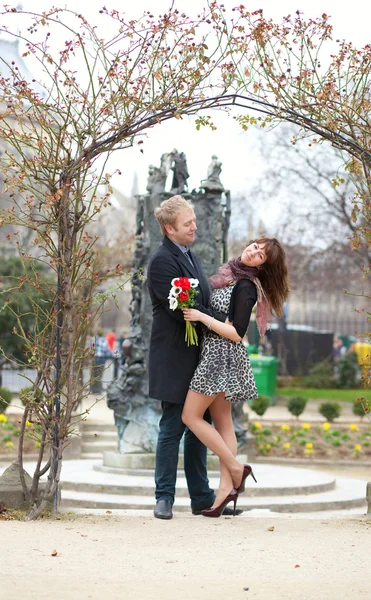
x=171 y=362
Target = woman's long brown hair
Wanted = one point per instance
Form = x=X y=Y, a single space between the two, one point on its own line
x=273 y=274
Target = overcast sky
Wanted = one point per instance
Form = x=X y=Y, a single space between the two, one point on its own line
x=234 y=148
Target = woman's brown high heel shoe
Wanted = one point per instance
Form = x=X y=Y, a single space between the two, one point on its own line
x=247 y=470
x=218 y=510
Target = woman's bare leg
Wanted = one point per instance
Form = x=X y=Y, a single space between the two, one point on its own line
x=192 y=416
x=221 y=414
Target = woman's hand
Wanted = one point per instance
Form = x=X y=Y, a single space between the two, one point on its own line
x=191 y=314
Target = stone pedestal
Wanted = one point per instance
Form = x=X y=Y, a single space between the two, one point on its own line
x=140 y=461
x=138 y=432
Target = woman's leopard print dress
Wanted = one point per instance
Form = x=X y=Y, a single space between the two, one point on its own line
x=224 y=365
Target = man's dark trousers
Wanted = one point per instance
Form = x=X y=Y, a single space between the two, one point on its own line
x=171 y=432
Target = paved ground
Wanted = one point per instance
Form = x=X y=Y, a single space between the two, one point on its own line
x=255 y=557
x=194 y=558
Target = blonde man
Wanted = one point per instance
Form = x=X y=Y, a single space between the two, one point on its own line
x=171 y=362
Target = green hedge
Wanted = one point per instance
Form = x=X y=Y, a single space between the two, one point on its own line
x=5 y=399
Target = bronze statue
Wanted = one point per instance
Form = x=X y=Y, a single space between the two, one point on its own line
x=180 y=172
x=213 y=176
x=136 y=415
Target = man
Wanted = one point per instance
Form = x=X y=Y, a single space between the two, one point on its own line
x=102 y=352
x=171 y=362
x=111 y=339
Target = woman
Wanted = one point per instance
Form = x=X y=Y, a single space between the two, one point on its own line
x=224 y=374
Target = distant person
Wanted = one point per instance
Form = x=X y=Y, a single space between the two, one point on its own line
x=111 y=340
x=265 y=347
x=101 y=354
x=363 y=352
x=338 y=348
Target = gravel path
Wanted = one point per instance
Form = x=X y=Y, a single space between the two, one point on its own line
x=188 y=558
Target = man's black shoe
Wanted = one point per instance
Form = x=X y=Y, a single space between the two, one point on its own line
x=163 y=510
x=227 y=512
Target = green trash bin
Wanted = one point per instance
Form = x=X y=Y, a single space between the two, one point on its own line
x=265 y=374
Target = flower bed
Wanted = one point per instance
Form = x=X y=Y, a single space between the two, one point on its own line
x=306 y=440
x=9 y=434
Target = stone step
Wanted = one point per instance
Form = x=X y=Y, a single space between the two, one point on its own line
x=98 y=446
x=259 y=513
x=99 y=436
x=99 y=479
x=97 y=427
x=348 y=494
x=144 y=486
x=85 y=456
x=87 y=485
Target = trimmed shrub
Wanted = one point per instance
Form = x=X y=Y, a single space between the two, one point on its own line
x=360 y=407
x=348 y=371
x=260 y=405
x=5 y=399
x=330 y=410
x=296 y=405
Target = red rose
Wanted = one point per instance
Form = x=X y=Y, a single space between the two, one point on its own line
x=184 y=283
x=177 y=283
x=183 y=296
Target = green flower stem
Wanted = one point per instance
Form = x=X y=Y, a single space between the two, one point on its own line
x=191 y=336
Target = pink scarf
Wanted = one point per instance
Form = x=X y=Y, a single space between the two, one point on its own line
x=232 y=272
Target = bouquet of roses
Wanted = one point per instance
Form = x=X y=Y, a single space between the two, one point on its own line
x=182 y=294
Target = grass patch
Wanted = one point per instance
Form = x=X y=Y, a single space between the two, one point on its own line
x=325 y=394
